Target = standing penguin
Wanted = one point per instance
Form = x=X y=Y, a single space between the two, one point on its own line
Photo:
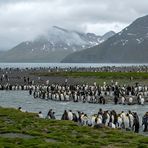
x=142 y=101
x=70 y=115
x=50 y=114
x=75 y=118
x=145 y=122
x=40 y=115
x=136 y=123
x=115 y=100
x=65 y=116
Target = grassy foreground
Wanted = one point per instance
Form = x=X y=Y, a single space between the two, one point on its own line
x=62 y=134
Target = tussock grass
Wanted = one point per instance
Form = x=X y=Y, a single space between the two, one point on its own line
x=101 y=75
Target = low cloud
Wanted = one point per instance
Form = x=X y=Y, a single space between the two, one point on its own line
x=22 y=20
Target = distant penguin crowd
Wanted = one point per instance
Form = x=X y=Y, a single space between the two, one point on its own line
x=132 y=68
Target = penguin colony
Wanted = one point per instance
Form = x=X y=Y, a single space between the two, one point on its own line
x=128 y=121
x=86 y=93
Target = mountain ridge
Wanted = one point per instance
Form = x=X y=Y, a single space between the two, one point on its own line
x=128 y=46
x=52 y=47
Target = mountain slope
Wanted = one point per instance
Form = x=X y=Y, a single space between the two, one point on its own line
x=53 y=46
x=128 y=46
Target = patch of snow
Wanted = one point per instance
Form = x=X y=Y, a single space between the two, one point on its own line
x=74 y=50
x=44 y=46
x=101 y=41
x=120 y=33
x=95 y=43
x=91 y=42
x=68 y=44
x=124 y=42
x=65 y=48
x=52 y=43
x=27 y=43
x=98 y=39
x=83 y=46
x=140 y=40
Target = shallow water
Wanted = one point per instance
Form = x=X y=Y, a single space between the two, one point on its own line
x=15 y=99
x=65 y=65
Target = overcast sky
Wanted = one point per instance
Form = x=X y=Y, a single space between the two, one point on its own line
x=22 y=20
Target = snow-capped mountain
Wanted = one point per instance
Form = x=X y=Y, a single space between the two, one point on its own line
x=128 y=46
x=53 y=46
x=58 y=39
